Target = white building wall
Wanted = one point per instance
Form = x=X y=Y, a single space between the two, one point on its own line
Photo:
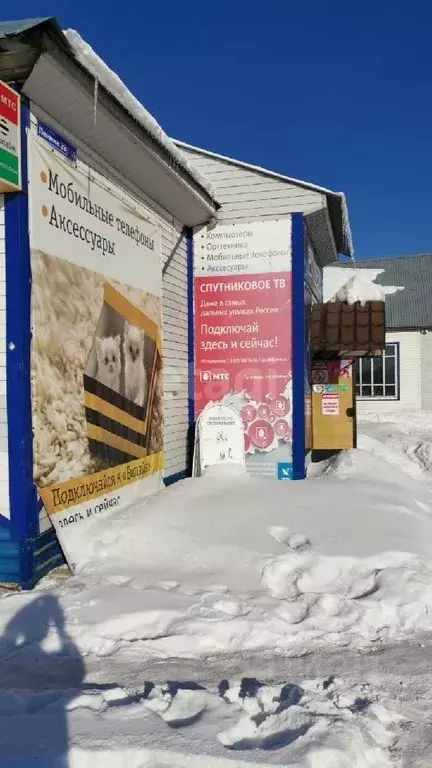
x=248 y=195
x=426 y=370
x=175 y=340
x=4 y=461
x=174 y=296
x=410 y=380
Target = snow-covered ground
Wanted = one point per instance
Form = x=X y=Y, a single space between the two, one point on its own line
x=321 y=590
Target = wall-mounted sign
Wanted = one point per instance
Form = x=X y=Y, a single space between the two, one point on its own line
x=330 y=405
x=10 y=140
x=57 y=141
x=96 y=277
x=320 y=373
x=243 y=334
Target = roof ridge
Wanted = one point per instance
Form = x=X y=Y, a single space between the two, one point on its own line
x=386 y=258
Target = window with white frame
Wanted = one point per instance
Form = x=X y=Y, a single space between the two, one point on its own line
x=378 y=376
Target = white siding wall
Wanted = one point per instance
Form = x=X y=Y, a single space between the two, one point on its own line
x=426 y=370
x=246 y=194
x=175 y=338
x=174 y=294
x=410 y=376
x=4 y=463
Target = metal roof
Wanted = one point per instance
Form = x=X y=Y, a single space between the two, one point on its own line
x=412 y=307
x=16 y=27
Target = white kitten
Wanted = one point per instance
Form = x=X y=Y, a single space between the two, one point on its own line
x=108 y=355
x=135 y=372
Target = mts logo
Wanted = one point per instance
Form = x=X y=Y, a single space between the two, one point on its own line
x=207 y=376
x=8 y=102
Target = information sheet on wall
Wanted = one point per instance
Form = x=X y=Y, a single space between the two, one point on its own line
x=243 y=336
x=96 y=354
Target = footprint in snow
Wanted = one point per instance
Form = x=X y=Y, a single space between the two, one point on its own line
x=176 y=705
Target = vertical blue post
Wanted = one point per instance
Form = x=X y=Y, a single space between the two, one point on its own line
x=298 y=346
x=190 y=335
x=22 y=492
x=191 y=351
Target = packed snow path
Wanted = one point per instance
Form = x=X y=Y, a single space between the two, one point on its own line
x=371 y=712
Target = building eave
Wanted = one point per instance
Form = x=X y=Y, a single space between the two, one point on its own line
x=23 y=49
x=336 y=201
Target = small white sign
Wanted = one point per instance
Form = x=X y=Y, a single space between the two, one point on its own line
x=330 y=405
x=220 y=438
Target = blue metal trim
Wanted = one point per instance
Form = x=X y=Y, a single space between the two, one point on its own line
x=175 y=478
x=22 y=492
x=191 y=335
x=298 y=350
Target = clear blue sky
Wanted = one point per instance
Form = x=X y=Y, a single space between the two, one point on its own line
x=336 y=93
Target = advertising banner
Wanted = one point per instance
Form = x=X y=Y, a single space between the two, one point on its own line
x=96 y=356
x=10 y=140
x=243 y=334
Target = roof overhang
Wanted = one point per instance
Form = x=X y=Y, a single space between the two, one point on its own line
x=39 y=57
x=348 y=330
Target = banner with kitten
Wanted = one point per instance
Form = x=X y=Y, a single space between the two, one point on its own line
x=97 y=398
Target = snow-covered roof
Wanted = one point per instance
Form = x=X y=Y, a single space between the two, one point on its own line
x=110 y=81
x=90 y=60
x=406 y=281
x=338 y=199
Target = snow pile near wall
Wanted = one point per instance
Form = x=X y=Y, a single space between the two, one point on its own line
x=232 y=564
x=405 y=438
x=111 y=81
x=352 y=285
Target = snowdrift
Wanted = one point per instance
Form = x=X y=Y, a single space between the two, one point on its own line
x=229 y=564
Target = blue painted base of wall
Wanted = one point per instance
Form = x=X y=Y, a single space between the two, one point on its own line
x=47 y=554
x=9 y=558
x=175 y=478
x=43 y=553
